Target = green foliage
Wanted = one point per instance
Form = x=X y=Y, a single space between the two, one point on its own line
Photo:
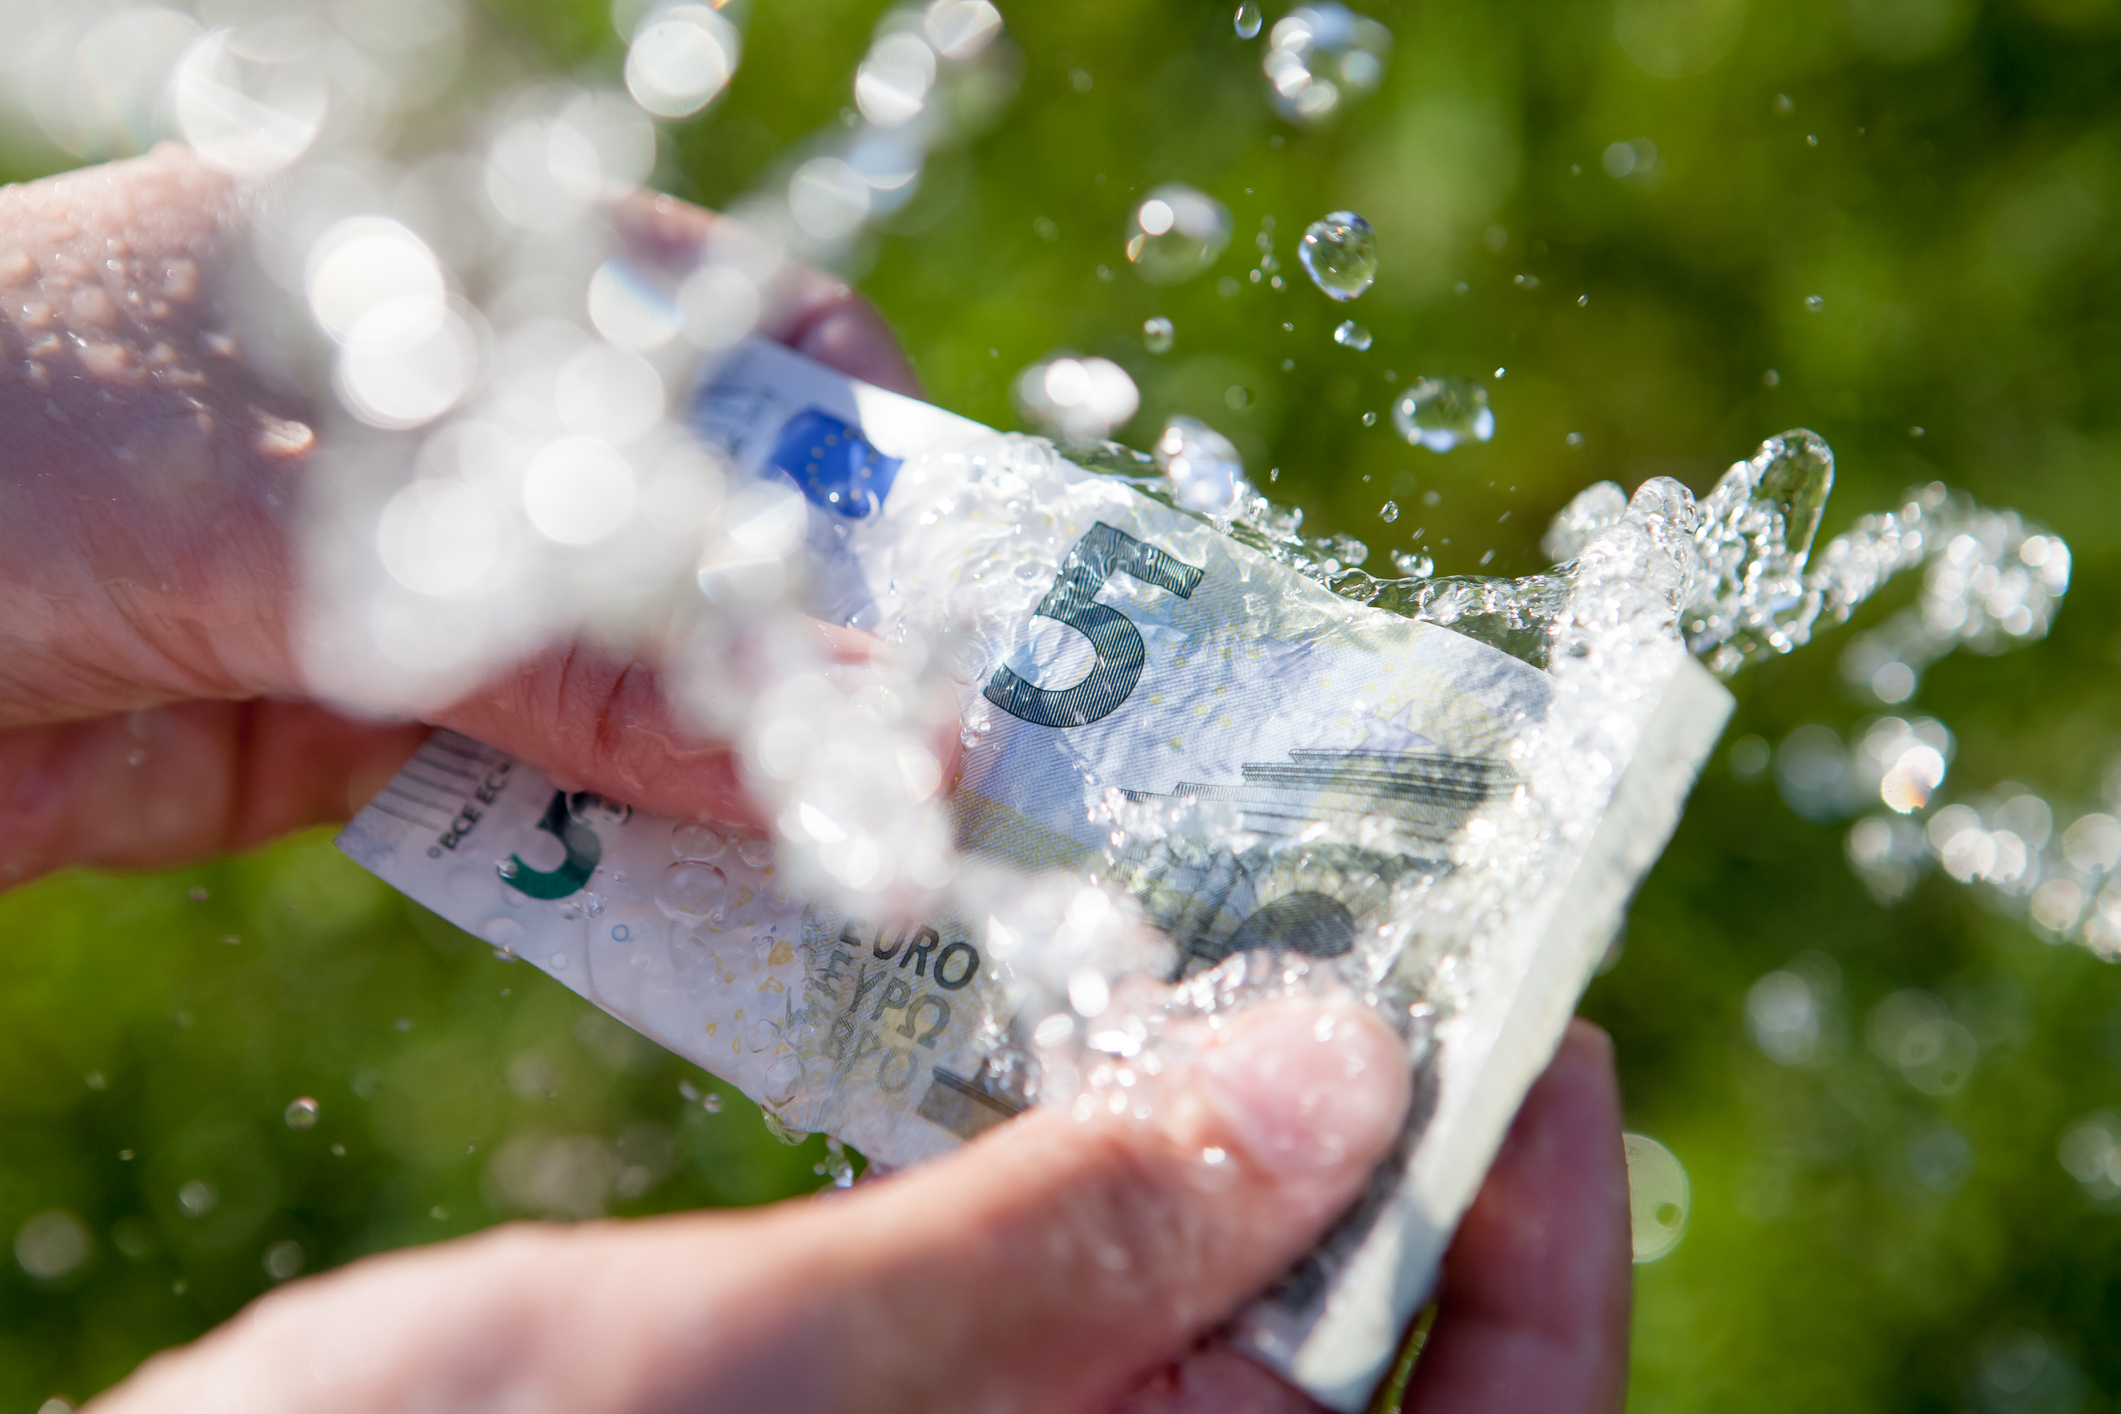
x=1944 y=174
x=153 y=1032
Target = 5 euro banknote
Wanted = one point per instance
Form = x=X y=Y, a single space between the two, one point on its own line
x=1349 y=786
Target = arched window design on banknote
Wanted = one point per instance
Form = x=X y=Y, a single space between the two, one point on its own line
x=1287 y=889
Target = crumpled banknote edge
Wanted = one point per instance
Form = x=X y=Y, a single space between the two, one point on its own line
x=1502 y=1043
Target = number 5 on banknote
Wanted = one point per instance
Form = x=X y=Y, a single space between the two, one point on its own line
x=1121 y=655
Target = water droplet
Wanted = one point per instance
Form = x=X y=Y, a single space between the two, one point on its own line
x=1249 y=19
x=756 y=851
x=711 y=1102
x=1321 y=55
x=1339 y=253
x=197 y=1198
x=301 y=1113
x=1350 y=335
x=691 y=892
x=1071 y=396
x=1413 y=565
x=1369 y=419
x=696 y=842
x=1815 y=303
x=1158 y=334
x=283 y=1260
x=501 y=930
x=586 y=807
x=1203 y=465
x=837 y=1165
x=1441 y=413
x=1389 y=512
x=1088 y=991
x=1658 y=1197
x=1176 y=233
x=507 y=868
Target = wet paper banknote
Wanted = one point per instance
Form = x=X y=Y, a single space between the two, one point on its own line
x=1340 y=783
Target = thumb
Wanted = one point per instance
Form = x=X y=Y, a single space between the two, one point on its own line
x=1056 y=1261
x=1041 y=1270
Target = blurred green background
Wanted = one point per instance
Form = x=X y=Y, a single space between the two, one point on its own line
x=1945 y=175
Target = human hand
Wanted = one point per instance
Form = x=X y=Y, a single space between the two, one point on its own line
x=1054 y=1266
x=151 y=710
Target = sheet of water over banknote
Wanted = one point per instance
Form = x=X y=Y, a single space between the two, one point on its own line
x=1366 y=778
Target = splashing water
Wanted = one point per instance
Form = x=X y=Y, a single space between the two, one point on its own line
x=683 y=56
x=1202 y=466
x=1739 y=569
x=1443 y=413
x=697 y=842
x=1073 y=397
x=507 y=473
x=692 y=893
x=836 y=1166
x=2058 y=867
x=1991 y=581
x=1409 y=899
x=1339 y=253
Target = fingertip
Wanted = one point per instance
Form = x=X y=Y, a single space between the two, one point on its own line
x=1309 y=1091
x=845 y=331
x=1101 y=1242
x=663 y=229
x=817 y=316
x=1537 y=1284
x=1582 y=1083
x=1215 y=1380
x=1588 y=1042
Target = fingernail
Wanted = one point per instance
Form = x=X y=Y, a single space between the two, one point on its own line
x=1305 y=1089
